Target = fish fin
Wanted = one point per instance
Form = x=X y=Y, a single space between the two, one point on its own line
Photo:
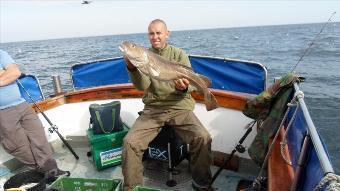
x=210 y=101
x=205 y=80
x=154 y=72
x=184 y=66
x=173 y=63
x=178 y=64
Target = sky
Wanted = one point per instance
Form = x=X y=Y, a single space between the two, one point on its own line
x=50 y=19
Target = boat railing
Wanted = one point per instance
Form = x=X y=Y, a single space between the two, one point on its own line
x=319 y=148
x=309 y=159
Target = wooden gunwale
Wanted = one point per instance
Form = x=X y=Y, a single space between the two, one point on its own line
x=226 y=99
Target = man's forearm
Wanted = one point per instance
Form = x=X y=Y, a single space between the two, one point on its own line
x=9 y=75
x=4 y=81
x=140 y=81
x=1 y=72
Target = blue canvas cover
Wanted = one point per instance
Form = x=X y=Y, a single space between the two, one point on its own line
x=32 y=86
x=232 y=75
x=313 y=171
x=99 y=73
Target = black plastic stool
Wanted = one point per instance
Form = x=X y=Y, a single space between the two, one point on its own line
x=167 y=141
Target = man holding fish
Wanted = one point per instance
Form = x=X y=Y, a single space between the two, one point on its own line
x=164 y=73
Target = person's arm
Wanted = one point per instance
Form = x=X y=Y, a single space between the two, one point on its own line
x=9 y=74
x=184 y=58
x=129 y=65
x=183 y=84
x=139 y=80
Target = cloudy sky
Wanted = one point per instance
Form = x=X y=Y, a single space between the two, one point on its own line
x=49 y=19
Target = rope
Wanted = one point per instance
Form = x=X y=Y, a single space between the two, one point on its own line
x=271 y=146
x=283 y=143
x=331 y=181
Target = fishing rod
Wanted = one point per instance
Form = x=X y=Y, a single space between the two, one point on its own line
x=256 y=185
x=238 y=148
x=53 y=127
x=307 y=50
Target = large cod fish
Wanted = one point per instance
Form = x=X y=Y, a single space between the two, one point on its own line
x=157 y=67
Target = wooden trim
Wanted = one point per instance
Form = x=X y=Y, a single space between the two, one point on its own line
x=50 y=103
x=225 y=99
x=104 y=92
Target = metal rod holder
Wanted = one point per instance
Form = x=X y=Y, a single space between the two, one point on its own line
x=56 y=84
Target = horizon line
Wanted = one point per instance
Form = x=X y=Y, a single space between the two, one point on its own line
x=118 y=34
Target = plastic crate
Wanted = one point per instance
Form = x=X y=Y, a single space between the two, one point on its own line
x=141 y=188
x=84 y=184
x=106 y=149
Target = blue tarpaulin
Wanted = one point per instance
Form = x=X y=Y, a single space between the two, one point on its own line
x=313 y=172
x=232 y=75
x=31 y=85
x=99 y=73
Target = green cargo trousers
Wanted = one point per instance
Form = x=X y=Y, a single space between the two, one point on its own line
x=146 y=128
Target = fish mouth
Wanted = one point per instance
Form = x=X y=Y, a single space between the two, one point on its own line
x=121 y=49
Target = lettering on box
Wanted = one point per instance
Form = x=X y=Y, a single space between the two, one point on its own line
x=161 y=154
x=111 y=156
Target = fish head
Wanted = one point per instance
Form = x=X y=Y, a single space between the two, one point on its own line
x=137 y=55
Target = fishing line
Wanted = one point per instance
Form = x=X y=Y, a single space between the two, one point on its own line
x=307 y=50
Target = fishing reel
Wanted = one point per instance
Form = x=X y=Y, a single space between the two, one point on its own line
x=52 y=128
x=240 y=148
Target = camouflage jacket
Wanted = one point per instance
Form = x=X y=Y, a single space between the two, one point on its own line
x=269 y=107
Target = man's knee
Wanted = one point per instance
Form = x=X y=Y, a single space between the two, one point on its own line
x=127 y=142
x=203 y=137
x=130 y=144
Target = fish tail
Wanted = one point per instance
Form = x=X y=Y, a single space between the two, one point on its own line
x=210 y=101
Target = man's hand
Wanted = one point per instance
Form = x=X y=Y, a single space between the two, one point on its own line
x=129 y=65
x=9 y=74
x=181 y=84
x=1 y=72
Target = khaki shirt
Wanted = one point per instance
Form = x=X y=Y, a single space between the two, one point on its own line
x=163 y=94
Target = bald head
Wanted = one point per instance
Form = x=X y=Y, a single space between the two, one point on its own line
x=158 y=21
x=158 y=33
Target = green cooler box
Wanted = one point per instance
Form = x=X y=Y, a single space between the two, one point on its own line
x=106 y=149
x=86 y=184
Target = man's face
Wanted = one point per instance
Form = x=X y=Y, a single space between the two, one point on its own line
x=158 y=35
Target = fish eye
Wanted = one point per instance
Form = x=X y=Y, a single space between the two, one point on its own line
x=133 y=46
